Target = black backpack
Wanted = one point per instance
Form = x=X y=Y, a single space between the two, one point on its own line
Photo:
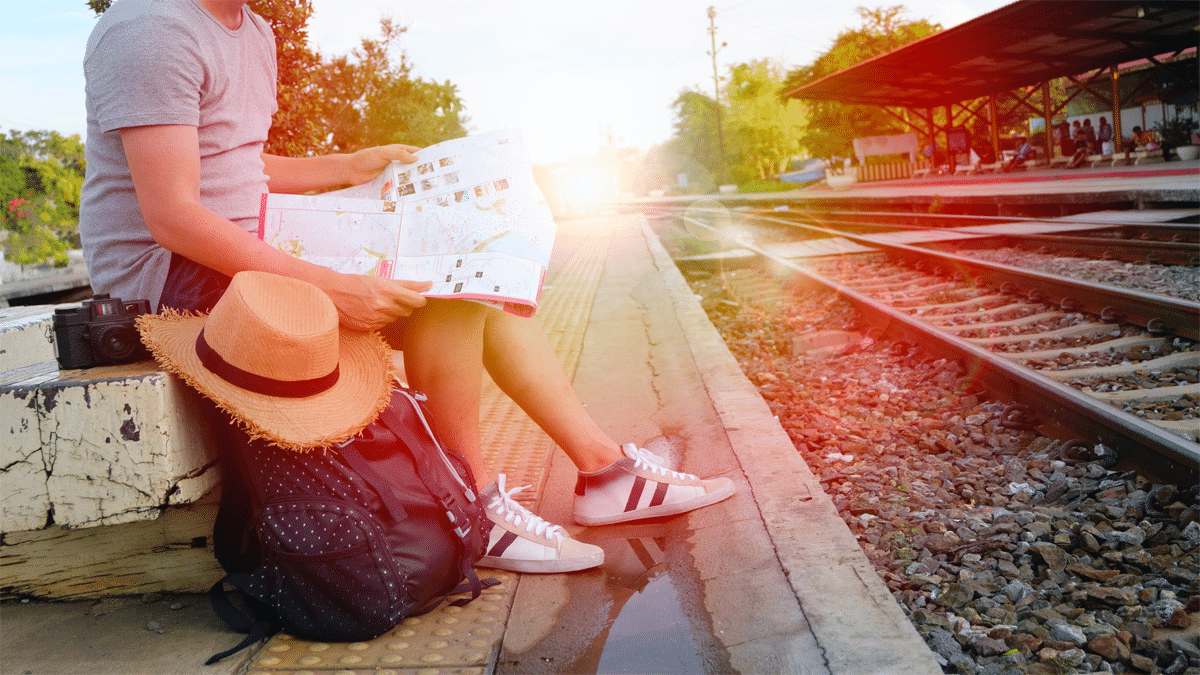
x=340 y=545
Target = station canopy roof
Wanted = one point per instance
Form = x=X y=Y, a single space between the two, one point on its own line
x=1025 y=43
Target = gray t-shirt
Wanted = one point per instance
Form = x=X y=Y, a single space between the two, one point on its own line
x=152 y=62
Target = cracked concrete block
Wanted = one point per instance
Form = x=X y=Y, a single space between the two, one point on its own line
x=24 y=499
x=114 y=444
x=123 y=447
x=26 y=336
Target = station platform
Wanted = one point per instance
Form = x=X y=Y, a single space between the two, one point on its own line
x=768 y=581
x=1163 y=182
x=1040 y=192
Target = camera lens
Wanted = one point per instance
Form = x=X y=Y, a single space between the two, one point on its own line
x=115 y=343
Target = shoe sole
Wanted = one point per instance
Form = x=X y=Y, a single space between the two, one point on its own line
x=542 y=566
x=661 y=511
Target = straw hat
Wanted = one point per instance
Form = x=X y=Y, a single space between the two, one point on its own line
x=272 y=355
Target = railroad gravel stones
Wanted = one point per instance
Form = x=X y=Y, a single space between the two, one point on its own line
x=1174 y=280
x=1007 y=558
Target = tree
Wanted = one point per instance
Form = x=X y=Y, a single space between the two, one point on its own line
x=369 y=97
x=832 y=125
x=694 y=147
x=765 y=133
x=41 y=176
x=296 y=130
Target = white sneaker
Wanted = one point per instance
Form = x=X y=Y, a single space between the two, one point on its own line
x=638 y=486
x=522 y=542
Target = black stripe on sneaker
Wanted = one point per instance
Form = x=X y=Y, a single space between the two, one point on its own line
x=660 y=493
x=503 y=544
x=635 y=494
x=643 y=555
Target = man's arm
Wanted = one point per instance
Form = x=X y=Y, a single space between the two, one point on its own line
x=164 y=162
x=297 y=175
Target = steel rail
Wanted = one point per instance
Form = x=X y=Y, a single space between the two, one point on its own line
x=1159 y=314
x=1180 y=242
x=1129 y=250
x=1140 y=226
x=1057 y=405
x=1185 y=232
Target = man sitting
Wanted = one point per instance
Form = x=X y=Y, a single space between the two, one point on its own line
x=1024 y=153
x=1139 y=140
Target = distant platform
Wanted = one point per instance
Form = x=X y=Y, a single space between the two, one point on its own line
x=1042 y=192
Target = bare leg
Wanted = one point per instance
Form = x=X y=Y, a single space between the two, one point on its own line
x=520 y=359
x=443 y=346
x=446 y=346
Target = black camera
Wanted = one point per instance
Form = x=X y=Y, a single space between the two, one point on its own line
x=99 y=332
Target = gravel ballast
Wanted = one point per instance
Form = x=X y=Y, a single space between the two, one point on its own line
x=1006 y=558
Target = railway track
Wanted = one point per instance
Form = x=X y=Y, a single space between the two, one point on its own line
x=1113 y=370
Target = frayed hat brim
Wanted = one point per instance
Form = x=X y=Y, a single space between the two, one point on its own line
x=331 y=417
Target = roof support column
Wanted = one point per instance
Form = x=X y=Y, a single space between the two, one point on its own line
x=994 y=124
x=932 y=137
x=1118 y=141
x=1047 y=142
x=950 y=156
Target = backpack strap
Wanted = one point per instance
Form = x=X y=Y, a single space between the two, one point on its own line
x=471 y=537
x=424 y=463
x=264 y=624
x=387 y=495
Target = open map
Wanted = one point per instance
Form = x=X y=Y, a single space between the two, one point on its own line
x=466 y=216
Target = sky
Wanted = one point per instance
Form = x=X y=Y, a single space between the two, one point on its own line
x=567 y=74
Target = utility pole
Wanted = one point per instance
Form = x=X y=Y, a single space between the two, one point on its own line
x=712 y=32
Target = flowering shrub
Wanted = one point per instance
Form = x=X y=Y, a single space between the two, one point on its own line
x=41 y=176
x=29 y=242
x=15 y=212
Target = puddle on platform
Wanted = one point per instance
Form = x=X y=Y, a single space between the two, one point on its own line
x=646 y=628
x=651 y=635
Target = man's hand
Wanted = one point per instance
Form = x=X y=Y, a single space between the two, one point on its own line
x=298 y=175
x=370 y=303
x=366 y=164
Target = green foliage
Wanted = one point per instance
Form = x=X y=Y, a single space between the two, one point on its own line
x=296 y=130
x=831 y=125
x=761 y=133
x=757 y=185
x=41 y=176
x=370 y=98
x=1176 y=132
x=694 y=147
x=764 y=133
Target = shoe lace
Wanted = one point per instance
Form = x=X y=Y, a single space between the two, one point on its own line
x=644 y=459
x=504 y=504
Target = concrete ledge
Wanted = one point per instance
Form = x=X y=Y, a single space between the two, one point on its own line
x=101 y=446
x=26 y=337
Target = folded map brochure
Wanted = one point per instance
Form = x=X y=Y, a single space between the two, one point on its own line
x=467 y=216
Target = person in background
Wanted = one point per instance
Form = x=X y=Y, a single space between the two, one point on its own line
x=1060 y=135
x=1104 y=136
x=1023 y=153
x=1089 y=135
x=1138 y=140
x=1083 y=147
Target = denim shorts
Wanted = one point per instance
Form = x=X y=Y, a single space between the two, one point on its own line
x=191 y=286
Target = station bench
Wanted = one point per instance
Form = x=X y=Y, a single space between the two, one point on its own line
x=1138 y=158
x=108 y=476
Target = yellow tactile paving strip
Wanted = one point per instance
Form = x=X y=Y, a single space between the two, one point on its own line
x=464 y=640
